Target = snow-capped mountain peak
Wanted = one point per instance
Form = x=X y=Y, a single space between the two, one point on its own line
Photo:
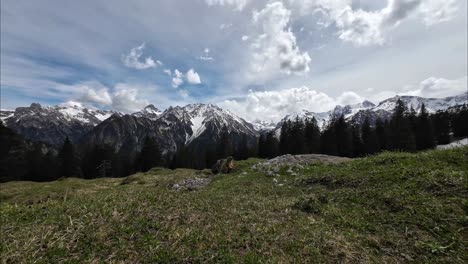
x=150 y=111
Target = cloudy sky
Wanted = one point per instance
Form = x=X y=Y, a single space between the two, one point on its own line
x=260 y=59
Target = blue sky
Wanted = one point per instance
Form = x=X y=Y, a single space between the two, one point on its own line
x=259 y=59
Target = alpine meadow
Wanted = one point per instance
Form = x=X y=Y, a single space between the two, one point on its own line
x=234 y=131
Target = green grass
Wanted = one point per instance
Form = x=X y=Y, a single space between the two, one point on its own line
x=388 y=208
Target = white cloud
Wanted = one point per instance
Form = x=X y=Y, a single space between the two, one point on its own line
x=349 y=97
x=177 y=79
x=274 y=105
x=93 y=93
x=245 y=37
x=437 y=11
x=193 y=77
x=132 y=59
x=274 y=49
x=206 y=58
x=167 y=71
x=439 y=87
x=363 y=28
x=125 y=99
x=237 y=4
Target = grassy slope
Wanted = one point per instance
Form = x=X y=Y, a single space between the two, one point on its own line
x=393 y=207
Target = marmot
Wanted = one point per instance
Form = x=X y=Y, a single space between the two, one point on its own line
x=223 y=166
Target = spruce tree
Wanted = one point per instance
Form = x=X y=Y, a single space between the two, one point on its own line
x=460 y=122
x=312 y=136
x=297 y=137
x=225 y=147
x=271 y=146
x=243 y=152
x=381 y=130
x=67 y=159
x=424 y=132
x=369 y=138
x=441 y=121
x=358 y=147
x=401 y=132
x=285 y=136
x=343 y=137
x=150 y=155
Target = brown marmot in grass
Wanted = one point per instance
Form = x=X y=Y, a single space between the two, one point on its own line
x=223 y=166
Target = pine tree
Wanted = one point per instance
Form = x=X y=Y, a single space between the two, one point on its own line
x=358 y=147
x=381 y=129
x=285 y=136
x=243 y=152
x=225 y=147
x=262 y=146
x=460 y=122
x=312 y=136
x=343 y=137
x=441 y=121
x=424 y=132
x=328 y=144
x=271 y=146
x=401 y=132
x=369 y=138
x=67 y=159
x=297 y=137
x=150 y=155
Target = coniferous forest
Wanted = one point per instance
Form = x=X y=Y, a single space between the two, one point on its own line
x=406 y=130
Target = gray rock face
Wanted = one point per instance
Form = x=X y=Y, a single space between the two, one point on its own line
x=195 y=127
x=52 y=125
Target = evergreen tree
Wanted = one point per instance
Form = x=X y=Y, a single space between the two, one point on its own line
x=401 y=132
x=285 y=136
x=243 y=152
x=460 y=122
x=67 y=159
x=441 y=121
x=225 y=147
x=150 y=155
x=271 y=146
x=369 y=138
x=424 y=132
x=358 y=147
x=262 y=146
x=381 y=129
x=328 y=143
x=297 y=137
x=343 y=137
x=312 y=136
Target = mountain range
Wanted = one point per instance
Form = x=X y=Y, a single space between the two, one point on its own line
x=194 y=127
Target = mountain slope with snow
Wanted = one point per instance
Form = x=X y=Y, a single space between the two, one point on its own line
x=52 y=124
x=357 y=113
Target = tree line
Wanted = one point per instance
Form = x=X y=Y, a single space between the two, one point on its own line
x=404 y=131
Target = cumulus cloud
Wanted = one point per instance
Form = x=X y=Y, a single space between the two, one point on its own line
x=274 y=105
x=93 y=94
x=275 y=48
x=125 y=99
x=237 y=4
x=167 y=71
x=191 y=77
x=206 y=55
x=177 y=79
x=132 y=59
x=439 y=87
x=363 y=28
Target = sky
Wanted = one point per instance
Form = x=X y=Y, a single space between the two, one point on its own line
x=259 y=59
